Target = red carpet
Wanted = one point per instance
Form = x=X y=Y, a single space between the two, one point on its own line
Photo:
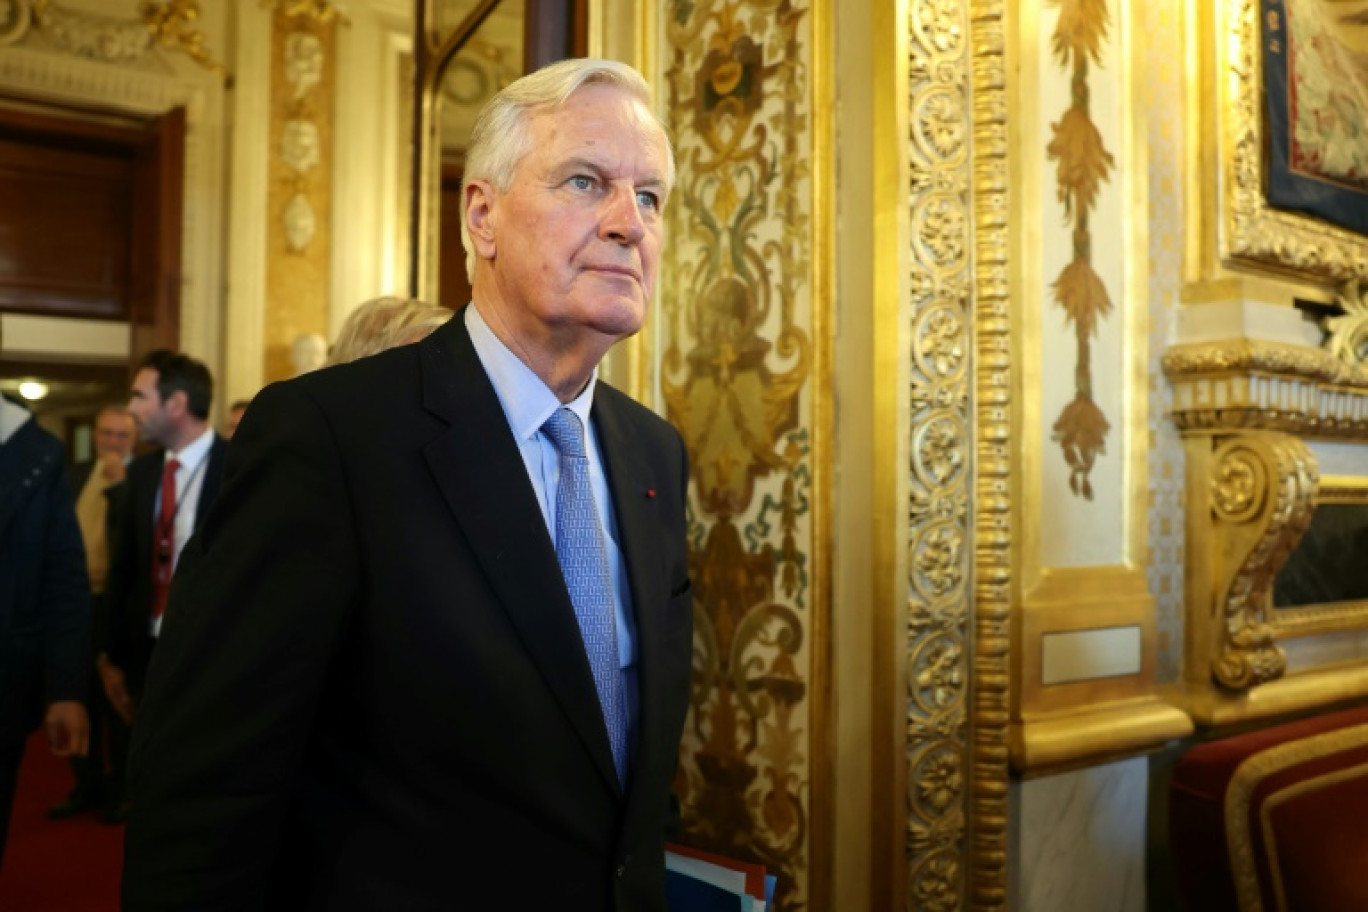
x=57 y=865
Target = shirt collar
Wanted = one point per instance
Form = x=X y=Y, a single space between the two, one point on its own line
x=527 y=401
x=12 y=418
x=191 y=456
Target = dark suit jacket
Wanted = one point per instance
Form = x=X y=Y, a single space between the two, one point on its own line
x=128 y=587
x=371 y=691
x=44 y=593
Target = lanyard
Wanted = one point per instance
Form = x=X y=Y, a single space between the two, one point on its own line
x=166 y=531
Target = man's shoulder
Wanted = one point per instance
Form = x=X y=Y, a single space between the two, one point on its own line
x=147 y=464
x=36 y=446
x=627 y=409
x=373 y=372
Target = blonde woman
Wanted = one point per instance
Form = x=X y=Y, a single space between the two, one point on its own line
x=383 y=323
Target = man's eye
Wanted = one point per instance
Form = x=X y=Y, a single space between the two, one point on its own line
x=581 y=182
x=647 y=200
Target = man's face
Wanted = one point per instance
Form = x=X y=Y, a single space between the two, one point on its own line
x=575 y=240
x=114 y=434
x=149 y=412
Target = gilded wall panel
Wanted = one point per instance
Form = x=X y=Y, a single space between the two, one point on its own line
x=299 y=198
x=1163 y=81
x=738 y=364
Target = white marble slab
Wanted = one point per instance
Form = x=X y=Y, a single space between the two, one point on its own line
x=1079 y=840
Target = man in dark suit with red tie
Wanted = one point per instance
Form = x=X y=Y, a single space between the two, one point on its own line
x=164 y=497
x=431 y=651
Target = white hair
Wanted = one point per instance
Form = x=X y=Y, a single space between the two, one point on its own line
x=502 y=134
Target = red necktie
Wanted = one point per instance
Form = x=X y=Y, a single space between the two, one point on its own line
x=164 y=545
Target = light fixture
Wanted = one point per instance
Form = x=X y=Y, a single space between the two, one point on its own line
x=33 y=390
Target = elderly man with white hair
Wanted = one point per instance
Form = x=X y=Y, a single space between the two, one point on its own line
x=432 y=648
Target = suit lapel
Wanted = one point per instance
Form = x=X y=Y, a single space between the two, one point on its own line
x=633 y=485
x=143 y=503
x=213 y=474
x=481 y=475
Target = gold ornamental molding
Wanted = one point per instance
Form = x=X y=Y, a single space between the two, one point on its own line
x=320 y=11
x=991 y=420
x=172 y=25
x=1261 y=492
x=1248 y=385
x=956 y=576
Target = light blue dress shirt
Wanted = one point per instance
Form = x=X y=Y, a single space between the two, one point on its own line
x=527 y=403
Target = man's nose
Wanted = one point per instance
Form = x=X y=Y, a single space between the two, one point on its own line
x=621 y=219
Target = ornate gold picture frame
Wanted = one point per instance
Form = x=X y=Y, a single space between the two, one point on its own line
x=1249 y=230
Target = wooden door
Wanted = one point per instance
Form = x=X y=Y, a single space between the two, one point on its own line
x=158 y=178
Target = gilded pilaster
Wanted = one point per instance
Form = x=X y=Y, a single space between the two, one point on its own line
x=299 y=198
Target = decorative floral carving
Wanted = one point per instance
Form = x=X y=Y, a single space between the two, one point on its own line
x=303 y=61
x=938 y=557
x=941 y=287
x=941 y=342
x=1262 y=487
x=1348 y=338
x=941 y=124
x=936 y=884
x=734 y=371
x=940 y=453
x=1238 y=487
x=938 y=677
x=172 y=24
x=299 y=145
x=941 y=228
x=939 y=26
x=939 y=779
x=299 y=222
x=91 y=35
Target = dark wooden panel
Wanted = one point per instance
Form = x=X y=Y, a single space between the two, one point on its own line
x=65 y=230
x=158 y=181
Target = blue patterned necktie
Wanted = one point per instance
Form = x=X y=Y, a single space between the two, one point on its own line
x=583 y=555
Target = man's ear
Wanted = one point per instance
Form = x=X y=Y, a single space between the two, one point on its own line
x=178 y=403
x=481 y=217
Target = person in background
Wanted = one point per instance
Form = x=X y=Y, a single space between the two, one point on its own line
x=432 y=649
x=44 y=601
x=99 y=778
x=235 y=413
x=166 y=496
x=383 y=323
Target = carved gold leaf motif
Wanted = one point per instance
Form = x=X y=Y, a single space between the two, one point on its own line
x=1083 y=165
x=172 y=24
x=1348 y=340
